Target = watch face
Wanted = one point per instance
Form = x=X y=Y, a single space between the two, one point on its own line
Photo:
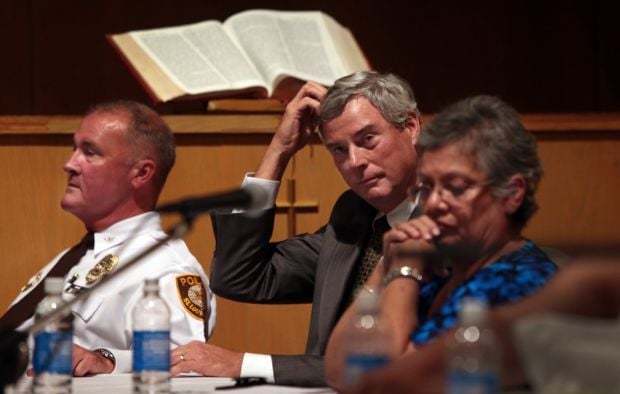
x=107 y=354
x=402 y=272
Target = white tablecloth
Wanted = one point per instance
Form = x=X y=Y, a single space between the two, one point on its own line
x=121 y=383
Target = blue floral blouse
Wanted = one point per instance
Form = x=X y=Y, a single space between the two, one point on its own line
x=507 y=280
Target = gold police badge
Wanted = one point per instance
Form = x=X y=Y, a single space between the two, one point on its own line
x=192 y=295
x=101 y=269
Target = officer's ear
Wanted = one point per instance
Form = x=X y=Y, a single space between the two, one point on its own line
x=142 y=172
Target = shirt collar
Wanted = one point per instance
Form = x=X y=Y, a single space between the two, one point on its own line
x=121 y=231
x=400 y=214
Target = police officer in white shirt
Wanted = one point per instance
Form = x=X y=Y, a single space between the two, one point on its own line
x=123 y=152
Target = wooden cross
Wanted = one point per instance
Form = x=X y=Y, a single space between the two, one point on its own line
x=292 y=207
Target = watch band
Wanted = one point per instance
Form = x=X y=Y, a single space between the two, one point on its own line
x=402 y=272
x=107 y=354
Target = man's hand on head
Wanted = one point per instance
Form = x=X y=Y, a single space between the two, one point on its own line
x=294 y=132
x=300 y=117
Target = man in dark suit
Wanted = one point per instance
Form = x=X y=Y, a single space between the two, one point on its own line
x=369 y=122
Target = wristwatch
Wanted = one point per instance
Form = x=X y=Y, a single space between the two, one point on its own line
x=107 y=354
x=402 y=272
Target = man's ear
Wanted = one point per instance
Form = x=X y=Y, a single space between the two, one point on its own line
x=513 y=201
x=414 y=126
x=143 y=172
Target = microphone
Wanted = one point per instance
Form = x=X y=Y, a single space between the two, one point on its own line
x=250 y=197
x=13 y=348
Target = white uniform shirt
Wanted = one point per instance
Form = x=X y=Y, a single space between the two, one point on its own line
x=104 y=319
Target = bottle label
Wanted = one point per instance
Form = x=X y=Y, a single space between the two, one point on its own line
x=473 y=383
x=358 y=364
x=53 y=352
x=151 y=351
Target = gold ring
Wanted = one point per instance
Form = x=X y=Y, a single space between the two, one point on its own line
x=181 y=357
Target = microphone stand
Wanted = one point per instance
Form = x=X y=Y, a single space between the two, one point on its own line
x=13 y=348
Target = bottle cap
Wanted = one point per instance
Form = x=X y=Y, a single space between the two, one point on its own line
x=368 y=301
x=54 y=285
x=151 y=284
x=473 y=311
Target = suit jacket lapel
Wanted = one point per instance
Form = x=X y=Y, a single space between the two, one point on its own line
x=348 y=230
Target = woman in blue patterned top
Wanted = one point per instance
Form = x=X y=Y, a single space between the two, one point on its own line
x=478 y=171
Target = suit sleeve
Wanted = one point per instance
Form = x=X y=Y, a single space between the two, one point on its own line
x=247 y=267
x=286 y=370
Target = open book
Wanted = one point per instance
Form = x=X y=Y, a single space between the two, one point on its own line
x=256 y=53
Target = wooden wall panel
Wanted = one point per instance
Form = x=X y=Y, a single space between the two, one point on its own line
x=34 y=227
x=579 y=192
x=578 y=195
x=16 y=64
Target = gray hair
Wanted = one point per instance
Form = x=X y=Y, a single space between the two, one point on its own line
x=388 y=93
x=491 y=132
x=148 y=135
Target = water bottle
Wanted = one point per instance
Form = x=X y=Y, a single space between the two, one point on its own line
x=53 y=345
x=474 y=356
x=367 y=341
x=151 y=342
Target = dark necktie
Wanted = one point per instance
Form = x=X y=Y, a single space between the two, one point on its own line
x=21 y=311
x=372 y=254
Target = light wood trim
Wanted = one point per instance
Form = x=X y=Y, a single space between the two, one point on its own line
x=180 y=124
x=266 y=123
x=572 y=122
x=249 y=105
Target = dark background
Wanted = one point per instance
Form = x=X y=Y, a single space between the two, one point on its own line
x=541 y=56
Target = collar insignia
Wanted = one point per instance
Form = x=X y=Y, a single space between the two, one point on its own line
x=33 y=281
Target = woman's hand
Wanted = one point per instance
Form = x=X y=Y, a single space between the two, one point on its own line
x=411 y=243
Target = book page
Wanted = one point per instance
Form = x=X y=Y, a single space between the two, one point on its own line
x=291 y=43
x=156 y=82
x=351 y=54
x=199 y=57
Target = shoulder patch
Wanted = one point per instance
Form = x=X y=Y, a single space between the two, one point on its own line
x=192 y=295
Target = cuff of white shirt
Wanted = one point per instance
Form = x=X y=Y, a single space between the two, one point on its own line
x=123 y=360
x=259 y=365
x=269 y=187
